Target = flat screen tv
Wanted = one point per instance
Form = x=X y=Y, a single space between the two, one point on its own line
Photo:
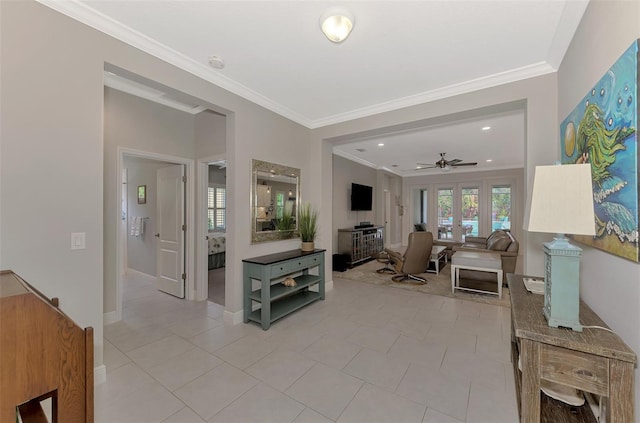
x=361 y=197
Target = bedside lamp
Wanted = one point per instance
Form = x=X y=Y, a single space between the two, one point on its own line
x=562 y=202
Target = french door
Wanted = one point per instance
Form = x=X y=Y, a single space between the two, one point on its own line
x=459 y=210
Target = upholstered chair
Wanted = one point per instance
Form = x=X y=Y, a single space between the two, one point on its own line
x=415 y=259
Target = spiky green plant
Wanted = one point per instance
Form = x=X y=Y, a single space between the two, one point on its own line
x=308 y=225
x=286 y=222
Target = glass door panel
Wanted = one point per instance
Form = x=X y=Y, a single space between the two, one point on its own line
x=469 y=214
x=500 y=207
x=445 y=213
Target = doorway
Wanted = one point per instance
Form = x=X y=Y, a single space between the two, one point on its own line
x=137 y=246
x=216 y=230
x=459 y=210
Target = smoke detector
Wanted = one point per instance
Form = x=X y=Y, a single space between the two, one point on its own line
x=216 y=62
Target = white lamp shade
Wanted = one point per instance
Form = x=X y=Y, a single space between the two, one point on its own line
x=561 y=200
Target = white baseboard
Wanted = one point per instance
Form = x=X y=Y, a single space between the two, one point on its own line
x=110 y=317
x=328 y=286
x=99 y=375
x=231 y=318
x=137 y=272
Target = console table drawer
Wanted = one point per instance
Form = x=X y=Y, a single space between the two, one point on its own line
x=573 y=368
x=281 y=268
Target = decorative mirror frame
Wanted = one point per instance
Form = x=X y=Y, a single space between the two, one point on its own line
x=276 y=169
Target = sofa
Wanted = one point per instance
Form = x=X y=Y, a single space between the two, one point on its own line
x=500 y=241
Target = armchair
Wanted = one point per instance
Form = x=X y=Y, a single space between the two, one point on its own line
x=415 y=258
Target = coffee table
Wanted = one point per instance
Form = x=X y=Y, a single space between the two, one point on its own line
x=437 y=254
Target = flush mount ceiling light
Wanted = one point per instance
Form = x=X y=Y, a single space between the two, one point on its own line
x=336 y=24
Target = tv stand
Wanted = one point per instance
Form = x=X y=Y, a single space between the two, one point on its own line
x=360 y=244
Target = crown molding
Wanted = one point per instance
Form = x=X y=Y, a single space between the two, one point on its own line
x=76 y=10
x=525 y=72
x=96 y=20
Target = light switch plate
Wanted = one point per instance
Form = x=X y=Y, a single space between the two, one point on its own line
x=78 y=240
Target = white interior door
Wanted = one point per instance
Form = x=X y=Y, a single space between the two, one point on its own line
x=387 y=218
x=170 y=274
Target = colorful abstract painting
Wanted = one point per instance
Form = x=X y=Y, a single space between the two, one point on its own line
x=601 y=130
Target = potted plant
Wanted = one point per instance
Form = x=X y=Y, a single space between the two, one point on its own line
x=308 y=226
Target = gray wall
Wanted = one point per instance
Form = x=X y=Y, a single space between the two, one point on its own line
x=346 y=172
x=210 y=133
x=52 y=143
x=609 y=284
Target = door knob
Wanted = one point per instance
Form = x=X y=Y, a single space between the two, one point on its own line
x=157 y=235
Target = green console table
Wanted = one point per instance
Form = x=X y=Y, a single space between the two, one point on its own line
x=275 y=299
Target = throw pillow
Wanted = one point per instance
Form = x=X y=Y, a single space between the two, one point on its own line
x=499 y=243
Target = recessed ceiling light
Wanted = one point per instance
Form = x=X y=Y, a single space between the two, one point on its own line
x=380 y=144
x=486 y=128
x=489 y=160
x=418 y=167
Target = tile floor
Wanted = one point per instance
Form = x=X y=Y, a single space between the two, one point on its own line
x=365 y=354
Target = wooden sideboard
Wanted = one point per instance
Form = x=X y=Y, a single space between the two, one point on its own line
x=43 y=354
x=275 y=299
x=595 y=360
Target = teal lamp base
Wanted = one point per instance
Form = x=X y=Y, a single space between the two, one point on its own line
x=562 y=284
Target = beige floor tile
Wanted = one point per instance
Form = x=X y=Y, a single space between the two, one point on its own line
x=192 y=327
x=186 y=415
x=452 y=339
x=472 y=367
x=120 y=383
x=426 y=385
x=160 y=351
x=245 y=351
x=325 y=390
x=113 y=357
x=433 y=416
x=374 y=338
x=213 y=391
x=491 y=405
x=377 y=368
x=310 y=416
x=434 y=334
x=293 y=339
x=184 y=368
x=372 y=404
x=220 y=336
x=416 y=351
x=334 y=352
x=261 y=404
x=137 y=338
x=280 y=368
x=150 y=403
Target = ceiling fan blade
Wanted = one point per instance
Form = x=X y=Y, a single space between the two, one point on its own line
x=463 y=164
x=454 y=161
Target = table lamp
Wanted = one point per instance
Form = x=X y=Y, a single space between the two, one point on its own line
x=562 y=202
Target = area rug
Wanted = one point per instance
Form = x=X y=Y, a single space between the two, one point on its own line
x=439 y=284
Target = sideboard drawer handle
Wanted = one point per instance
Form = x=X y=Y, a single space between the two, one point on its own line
x=584 y=372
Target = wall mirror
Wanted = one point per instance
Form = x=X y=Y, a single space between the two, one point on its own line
x=275 y=201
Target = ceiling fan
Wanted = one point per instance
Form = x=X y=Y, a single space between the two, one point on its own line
x=445 y=164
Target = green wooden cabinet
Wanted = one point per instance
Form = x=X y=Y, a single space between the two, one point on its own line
x=275 y=299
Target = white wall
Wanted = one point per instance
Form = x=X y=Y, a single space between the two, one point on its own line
x=609 y=284
x=52 y=143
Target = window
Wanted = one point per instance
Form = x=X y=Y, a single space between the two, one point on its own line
x=445 y=213
x=217 y=208
x=470 y=205
x=500 y=207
